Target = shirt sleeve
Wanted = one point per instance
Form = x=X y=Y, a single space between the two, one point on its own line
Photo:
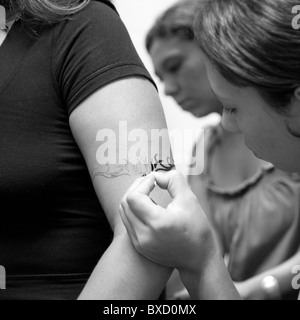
x=93 y=48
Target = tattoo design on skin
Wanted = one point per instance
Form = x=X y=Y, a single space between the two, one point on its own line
x=140 y=169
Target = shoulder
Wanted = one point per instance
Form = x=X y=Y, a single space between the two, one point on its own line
x=93 y=35
x=96 y=11
x=96 y=18
x=91 y=49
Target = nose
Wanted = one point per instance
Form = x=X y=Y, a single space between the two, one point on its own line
x=171 y=87
x=229 y=123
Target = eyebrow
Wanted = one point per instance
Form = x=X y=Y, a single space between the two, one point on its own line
x=164 y=63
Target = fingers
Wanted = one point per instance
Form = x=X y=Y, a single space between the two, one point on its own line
x=136 y=183
x=130 y=229
x=136 y=228
x=172 y=181
x=132 y=222
x=146 y=185
x=182 y=295
x=139 y=202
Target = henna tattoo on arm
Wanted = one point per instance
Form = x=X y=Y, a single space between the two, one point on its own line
x=114 y=171
x=160 y=165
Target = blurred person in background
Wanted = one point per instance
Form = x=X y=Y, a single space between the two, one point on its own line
x=252 y=206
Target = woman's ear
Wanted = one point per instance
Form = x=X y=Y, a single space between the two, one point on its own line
x=293 y=119
x=297 y=94
x=294 y=109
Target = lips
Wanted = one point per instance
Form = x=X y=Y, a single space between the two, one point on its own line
x=186 y=104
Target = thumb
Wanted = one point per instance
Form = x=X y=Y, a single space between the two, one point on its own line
x=138 y=199
x=138 y=182
x=146 y=185
x=172 y=181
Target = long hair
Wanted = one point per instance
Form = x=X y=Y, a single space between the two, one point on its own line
x=177 y=21
x=252 y=43
x=50 y=11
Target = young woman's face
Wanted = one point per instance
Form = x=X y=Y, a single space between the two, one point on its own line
x=264 y=130
x=180 y=65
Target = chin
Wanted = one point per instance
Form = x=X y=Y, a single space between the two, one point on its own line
x=200 y=113
x=197 y=115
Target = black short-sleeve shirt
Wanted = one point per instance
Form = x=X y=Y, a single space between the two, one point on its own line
x=53 y=230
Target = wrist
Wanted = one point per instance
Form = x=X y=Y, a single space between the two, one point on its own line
x=199 y=271
x=201 y=259
x=211 y=282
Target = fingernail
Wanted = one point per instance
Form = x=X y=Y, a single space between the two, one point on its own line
x=147 y=175
x=153 y=201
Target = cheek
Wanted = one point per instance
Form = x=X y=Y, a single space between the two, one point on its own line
x=256 y=137
x=194 y=76
x=261 y=141
x=187 y=79
x=255 y=142
x=199 y=80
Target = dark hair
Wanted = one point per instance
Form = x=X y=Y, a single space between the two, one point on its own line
x=252 y=43
x=50 y=11
x=177 y=21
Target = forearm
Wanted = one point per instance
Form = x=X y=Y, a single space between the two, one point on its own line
x=283 y=274
x=213 y=283
x=123 y=274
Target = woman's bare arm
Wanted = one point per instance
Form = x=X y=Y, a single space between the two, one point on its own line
x=122 y=273
x=252 y=288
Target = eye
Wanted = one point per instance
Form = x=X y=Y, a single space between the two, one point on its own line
x=174 y=68
x=174 y=65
